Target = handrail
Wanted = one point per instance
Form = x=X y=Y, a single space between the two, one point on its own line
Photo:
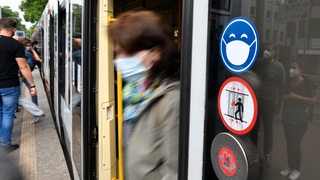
x=119 y=99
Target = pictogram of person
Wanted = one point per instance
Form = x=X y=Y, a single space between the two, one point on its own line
x=239 y=111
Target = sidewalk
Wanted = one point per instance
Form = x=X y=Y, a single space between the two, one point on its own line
x=40 y=155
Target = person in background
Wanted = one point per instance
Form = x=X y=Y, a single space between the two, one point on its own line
x=272 y=75
x=299 y=97
x=32 y=58
x=12 y=58
x=76 y=48
x=149 y=63
x=76 y=58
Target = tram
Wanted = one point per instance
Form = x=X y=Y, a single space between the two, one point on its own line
x=221 y=42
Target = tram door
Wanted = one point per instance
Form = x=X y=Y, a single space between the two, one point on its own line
x=262 y=88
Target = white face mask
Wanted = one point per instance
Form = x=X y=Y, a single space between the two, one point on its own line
x=28 y=48
x=267 y=54
x=131 y=68
x=293 y=72
x=238 y=51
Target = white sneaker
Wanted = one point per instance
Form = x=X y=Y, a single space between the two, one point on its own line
x=285 y=172
x=34 y=120
x=295 y=174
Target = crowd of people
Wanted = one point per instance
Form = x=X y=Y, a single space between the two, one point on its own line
x=284 y=91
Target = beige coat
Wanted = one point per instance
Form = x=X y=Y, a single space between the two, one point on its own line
x=153 y=145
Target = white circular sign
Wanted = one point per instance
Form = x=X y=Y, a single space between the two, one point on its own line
x=239 y=45
x=237 y=105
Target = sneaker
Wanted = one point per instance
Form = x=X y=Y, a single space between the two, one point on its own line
x=10 y=148
x=34 y=120
x=285 y=172
x=295 y=174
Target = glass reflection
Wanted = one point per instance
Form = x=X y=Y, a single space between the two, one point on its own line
x=76 y=83
x=288 y=69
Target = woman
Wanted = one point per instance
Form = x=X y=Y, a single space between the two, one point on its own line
x=298 y=99
x=31 y=106
x=148 y=60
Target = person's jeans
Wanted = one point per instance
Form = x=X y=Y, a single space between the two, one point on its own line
x=32 y=107
x=8 y=102
x=33 y=98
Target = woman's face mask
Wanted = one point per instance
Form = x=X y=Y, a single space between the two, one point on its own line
x=293 y=72
x=28 y=48
x=131 y=68
x=267 y=54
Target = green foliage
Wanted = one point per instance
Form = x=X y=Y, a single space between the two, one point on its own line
x=30 y=31
x=77 y=13
x=32 y=9
x=7 y=12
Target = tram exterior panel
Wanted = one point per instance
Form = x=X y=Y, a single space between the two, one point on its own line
x=83 y=98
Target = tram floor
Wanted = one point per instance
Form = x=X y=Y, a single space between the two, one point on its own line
x=40 y=154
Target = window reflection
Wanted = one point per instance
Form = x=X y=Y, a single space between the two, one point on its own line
x=293 y=27
x=76 y=52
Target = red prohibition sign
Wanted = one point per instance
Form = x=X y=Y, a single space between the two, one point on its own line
x=227 y=161
x=237 y=105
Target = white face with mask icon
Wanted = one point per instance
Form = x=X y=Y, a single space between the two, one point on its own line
x=237 y=50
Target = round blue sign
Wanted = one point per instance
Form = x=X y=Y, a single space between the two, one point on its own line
x=239 y=45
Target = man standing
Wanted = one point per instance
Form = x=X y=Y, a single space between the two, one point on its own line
x=272 y=75
x=12 y=58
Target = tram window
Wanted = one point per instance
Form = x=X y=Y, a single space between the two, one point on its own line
x=62 y=53
x=76 y=51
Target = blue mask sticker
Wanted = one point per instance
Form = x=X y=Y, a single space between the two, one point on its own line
x=239 y=45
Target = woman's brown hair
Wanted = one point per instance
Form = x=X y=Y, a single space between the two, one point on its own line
x=25 y=41
x=140 y=30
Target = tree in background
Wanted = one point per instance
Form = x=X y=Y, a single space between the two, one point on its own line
x=7 y=12
x=32 y=12
x=77 y=16
x=32 y=9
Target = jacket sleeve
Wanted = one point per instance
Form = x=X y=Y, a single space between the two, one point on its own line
x=170 y=134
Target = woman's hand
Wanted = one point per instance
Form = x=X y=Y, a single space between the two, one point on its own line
x=33 y=91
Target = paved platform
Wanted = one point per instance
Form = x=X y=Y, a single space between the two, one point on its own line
x=40 y=155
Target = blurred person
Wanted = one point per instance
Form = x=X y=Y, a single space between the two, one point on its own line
x=76 y=48
x=272 y=75
x=149 y=62
x=298 y=98
x=31 y=107
x=12 y=58
x=36 y=54
x=32 y=58
x=76 y=57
